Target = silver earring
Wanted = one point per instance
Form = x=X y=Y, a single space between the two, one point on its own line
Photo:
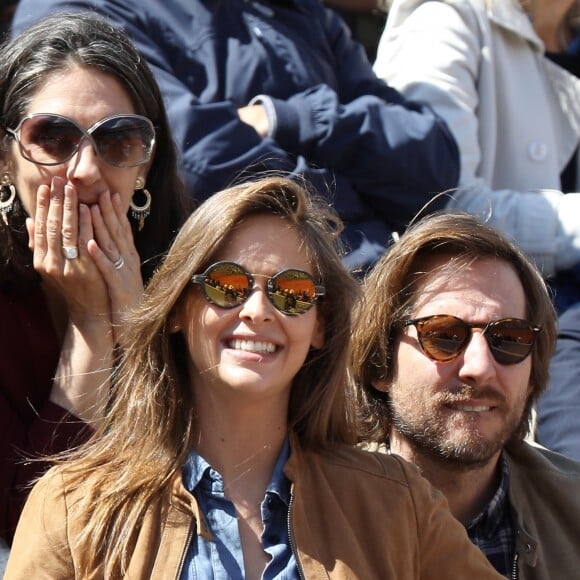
x=140 y=212
x=7 y=196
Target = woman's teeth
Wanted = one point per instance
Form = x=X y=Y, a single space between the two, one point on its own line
x=253 y=345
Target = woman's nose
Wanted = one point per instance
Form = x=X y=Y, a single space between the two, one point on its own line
x=257 y=307
x=85 y=163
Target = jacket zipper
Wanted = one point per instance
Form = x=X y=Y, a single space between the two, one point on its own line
x=514 y=575
x=291 y=537
x=185 y=550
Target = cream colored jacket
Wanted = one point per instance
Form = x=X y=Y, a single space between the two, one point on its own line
x=514 y=114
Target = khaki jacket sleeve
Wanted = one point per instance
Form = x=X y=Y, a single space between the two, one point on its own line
x=41 y=546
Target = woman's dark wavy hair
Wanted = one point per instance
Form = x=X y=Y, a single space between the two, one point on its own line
x=57 y=44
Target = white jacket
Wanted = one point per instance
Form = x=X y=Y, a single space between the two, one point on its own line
x=514 y=114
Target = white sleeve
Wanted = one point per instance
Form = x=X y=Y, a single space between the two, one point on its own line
x=431 y=53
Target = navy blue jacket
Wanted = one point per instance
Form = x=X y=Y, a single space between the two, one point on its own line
x=377 y=157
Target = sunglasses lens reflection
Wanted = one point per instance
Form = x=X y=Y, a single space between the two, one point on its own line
x=444 y=338
x=47 y=139
x=510 y=341
x=293 y=291
x=228 y=285
x=123 y=141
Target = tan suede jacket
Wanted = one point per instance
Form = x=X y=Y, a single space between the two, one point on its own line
x=353 y=515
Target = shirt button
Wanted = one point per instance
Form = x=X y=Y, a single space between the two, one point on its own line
x=537 y=151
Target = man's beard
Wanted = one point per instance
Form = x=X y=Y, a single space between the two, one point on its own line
x=453 y=438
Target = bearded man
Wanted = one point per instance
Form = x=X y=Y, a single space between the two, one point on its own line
x=451 y=352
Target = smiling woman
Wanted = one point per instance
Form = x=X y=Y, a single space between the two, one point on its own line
x=82 y=130
x=228 y=447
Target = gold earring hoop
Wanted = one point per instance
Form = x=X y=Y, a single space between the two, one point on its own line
x=140 y=212
x=7 y=196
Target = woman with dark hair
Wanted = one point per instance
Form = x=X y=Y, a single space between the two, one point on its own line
x=89 y=201
x=227 y=450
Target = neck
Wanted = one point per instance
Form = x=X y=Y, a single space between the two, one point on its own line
x=549 y=18
x=468 y=490
x=241 y=435
x=242 y=441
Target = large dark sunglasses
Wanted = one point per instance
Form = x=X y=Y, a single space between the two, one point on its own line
x=443 y=337
x=120 y=140
x=227 y=285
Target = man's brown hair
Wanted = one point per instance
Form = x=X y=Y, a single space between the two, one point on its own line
x=391 y=291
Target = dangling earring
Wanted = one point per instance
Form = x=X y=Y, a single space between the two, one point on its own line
x=140 y=212
x=7 y=196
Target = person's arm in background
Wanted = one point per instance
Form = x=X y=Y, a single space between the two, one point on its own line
x=434 y=56
x=397 y=154
x=391 y=154
x=559 y=407
x=215 y=146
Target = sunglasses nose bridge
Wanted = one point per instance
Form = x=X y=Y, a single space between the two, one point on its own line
x=84 y=140
x=88 y=136
x=478 y=350
x=258 y=303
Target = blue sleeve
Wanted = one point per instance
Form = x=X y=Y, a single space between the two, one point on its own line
x=559 y=406
x=213 y=144
x=384 y=145
x=375 y=156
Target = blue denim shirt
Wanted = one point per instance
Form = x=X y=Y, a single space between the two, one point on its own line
x=222 y=558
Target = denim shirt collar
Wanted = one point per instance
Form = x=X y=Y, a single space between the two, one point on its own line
x=197 y=470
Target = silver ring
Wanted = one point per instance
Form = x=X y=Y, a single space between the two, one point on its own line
x=70 y=252
x=119 y=263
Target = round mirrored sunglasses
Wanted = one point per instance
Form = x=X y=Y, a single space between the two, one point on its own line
x=228 y=285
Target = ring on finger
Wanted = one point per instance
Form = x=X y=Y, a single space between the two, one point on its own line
x=70 y=252
x=119 y=263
